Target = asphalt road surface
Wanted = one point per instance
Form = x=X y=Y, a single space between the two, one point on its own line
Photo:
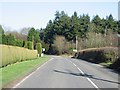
x=61 y=72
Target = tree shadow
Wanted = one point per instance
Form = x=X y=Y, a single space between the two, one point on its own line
x=86 y=75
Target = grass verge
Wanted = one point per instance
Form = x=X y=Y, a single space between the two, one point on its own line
x=66 y=55
x=106 y=64
x=20 y=69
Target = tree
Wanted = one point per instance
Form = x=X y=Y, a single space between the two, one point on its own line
x=39 y=48
x=57 y=15
x=49 y=33
x=96 y=21
x=118 y=23
x=76 y=25
x=33 y=36
x=1 y=34
x=29 y=45
x=84 y=21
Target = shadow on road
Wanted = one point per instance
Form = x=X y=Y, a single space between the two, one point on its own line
x=86 y=75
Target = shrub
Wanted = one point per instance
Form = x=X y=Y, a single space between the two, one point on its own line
x=116 y=65
x=12 y=54
x=29 y=45
x=39 y=48
x=10 y=40
x=46 y=46
x=95 y=40
x=19 y=42
x=98 y=55
x=62 y=45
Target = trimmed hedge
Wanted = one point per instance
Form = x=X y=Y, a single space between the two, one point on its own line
x=98 y=55
x=39 y=48
x=12 y=54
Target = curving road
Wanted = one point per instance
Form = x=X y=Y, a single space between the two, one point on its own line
x=61 y=72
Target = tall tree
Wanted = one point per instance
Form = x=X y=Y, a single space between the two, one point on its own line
x=96 y=21
x=1 y=34
x=33 y=36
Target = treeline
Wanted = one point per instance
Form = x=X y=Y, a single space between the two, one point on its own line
x=32 y=42
x=61 y=33
x=91 y=33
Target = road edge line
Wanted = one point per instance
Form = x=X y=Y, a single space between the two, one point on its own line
x=15 y=86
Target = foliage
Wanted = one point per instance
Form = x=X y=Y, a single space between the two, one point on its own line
x=96 y=40
x=78 y=25
x=45 y=45
x=19 y=43
x=18 y=35
x=62 y=45
x=33 y=36
x=98 y=55
x=29 y=45
x=10 y=39
x=12 y=54
x=91 y=32
x=1 y=33
x=39 y=48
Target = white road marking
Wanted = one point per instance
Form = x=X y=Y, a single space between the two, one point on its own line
x=31 y=74
x=86 y=77
x=74 y=65
x=92 y=83
x=80 y=70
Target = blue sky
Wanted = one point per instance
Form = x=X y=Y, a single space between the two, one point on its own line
x=17 y=15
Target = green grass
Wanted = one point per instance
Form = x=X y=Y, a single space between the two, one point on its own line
x=106 y=64
x=20 y=69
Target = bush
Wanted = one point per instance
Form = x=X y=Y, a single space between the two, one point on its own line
x=29 y=45
x=19 y=42
x=46 y=46
x=95 y=40
x=116 y=65
x=62 y=46
x=98 y=55
x=39 y=48
x=12 y=54
x=4 y=39
x=10 y=40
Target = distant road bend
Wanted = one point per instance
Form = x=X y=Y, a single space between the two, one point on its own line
x=62 y=72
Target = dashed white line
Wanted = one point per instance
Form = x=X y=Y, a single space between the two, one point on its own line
x=86 y=77
x=80 y=70
x=92 y=83
x=31 y=74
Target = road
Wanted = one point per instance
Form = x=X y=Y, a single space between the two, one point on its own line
x=61 y=72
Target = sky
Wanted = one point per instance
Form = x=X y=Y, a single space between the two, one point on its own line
x=17 y=15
